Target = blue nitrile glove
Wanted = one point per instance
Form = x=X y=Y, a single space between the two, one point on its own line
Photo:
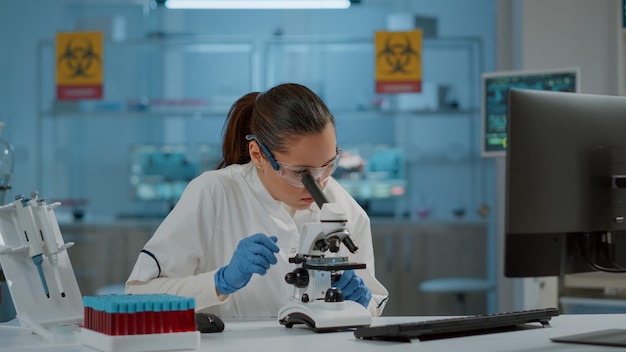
x=353 y=288
x=254 y=254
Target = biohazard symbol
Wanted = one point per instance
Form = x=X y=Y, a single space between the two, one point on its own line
x=79 y=59
x=399 y=55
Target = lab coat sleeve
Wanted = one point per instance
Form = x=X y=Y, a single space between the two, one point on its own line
x=171 y=260
x=379 y=292
x=362 y=233
x=201 y=286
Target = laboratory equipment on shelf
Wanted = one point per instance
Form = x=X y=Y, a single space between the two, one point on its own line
x=315 y=302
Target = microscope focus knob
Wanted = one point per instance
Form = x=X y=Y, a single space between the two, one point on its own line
x=333 y=294
x=299 y=278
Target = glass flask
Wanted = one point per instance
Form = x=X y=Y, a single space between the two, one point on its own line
x=6 y=166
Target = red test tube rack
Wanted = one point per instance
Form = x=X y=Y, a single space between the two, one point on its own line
x=138 y=322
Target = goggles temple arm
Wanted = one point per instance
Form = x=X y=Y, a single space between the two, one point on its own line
x=265 y=151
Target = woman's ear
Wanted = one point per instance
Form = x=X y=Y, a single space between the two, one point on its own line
x=255 y=152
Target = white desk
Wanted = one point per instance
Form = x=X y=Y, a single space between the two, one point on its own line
x=264 y=335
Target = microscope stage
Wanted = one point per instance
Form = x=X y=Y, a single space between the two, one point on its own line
x=334 y=266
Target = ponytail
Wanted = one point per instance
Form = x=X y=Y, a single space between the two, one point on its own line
x=236 y=127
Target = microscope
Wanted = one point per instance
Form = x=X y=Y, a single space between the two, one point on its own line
x=315 y=302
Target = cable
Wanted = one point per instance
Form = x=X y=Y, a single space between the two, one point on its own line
x=610 y=248
x=584 y=243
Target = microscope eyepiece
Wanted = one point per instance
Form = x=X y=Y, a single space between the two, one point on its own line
x=314 y=189
x=334 y=243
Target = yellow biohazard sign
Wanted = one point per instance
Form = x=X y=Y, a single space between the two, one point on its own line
x=398 y=61
x=79 y=65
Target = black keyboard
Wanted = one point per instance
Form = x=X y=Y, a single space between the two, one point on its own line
x=458 y=326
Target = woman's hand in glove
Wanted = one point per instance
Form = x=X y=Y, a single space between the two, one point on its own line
x=254 y=255
x=353 y=288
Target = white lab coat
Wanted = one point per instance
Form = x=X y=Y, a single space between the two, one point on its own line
x=216 y=211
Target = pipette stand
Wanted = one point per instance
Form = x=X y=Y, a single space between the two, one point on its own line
x=54 y=318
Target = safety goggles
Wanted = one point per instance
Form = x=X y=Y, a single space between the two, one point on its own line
x=293 y=174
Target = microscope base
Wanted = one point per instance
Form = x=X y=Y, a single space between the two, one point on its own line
x=325 y=316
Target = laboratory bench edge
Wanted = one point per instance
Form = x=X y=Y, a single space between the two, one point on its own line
x=247 y=334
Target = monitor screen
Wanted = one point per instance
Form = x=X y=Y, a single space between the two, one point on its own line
x=495 y=87
x=565 y=183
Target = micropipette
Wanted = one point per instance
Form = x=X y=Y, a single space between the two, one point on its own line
x=46 y=228
x=35 y=249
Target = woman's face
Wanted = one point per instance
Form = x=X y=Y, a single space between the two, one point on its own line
x=309 y=151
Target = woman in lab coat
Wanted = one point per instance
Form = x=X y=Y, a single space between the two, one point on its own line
x=228 y=240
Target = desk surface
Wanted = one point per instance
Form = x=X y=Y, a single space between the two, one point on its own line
x=264 y=335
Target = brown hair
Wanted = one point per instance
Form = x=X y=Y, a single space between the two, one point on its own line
x=277 y=117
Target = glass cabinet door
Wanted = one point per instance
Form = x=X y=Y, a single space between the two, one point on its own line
x=158 y=94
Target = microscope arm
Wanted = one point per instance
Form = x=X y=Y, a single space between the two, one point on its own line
x=333 y=219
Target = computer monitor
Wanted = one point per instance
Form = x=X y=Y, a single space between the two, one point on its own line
x=565 y=183
x=495 y=87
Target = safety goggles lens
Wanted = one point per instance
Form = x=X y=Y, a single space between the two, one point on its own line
x=293 y=175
